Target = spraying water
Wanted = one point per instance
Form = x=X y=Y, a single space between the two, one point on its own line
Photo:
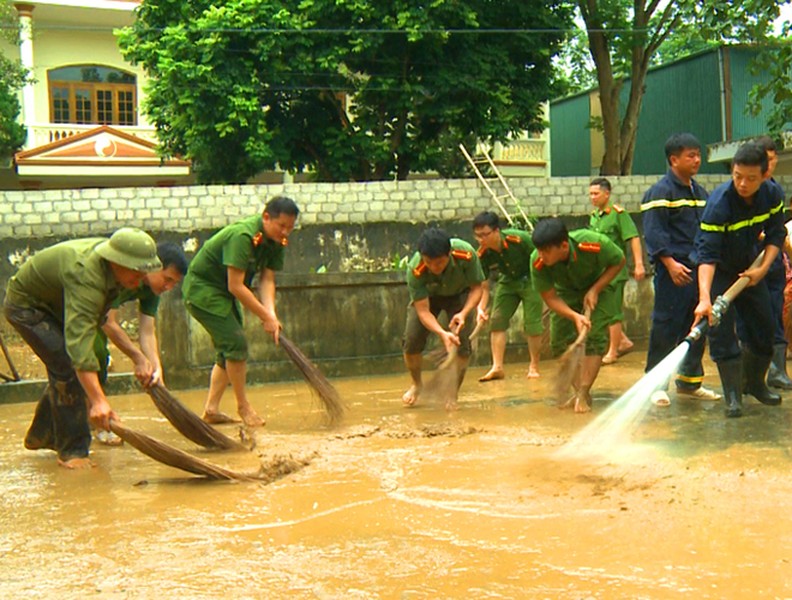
x=613 y=427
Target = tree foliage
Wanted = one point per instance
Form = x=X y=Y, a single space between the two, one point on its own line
x=775 y=60
x=625 y=38
x=351 y=89
x=12 y=78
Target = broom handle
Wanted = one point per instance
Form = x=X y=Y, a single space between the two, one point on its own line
x=584 y=332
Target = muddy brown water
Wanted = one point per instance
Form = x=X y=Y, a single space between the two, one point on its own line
x=414 y=503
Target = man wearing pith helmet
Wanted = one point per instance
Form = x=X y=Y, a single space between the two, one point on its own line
x=57 y=301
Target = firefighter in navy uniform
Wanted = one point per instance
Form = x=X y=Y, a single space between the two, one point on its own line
x=444 y=275
x=738 y=215
x=671 y=211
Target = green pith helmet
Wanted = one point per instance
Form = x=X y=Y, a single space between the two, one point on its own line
x=131 y=248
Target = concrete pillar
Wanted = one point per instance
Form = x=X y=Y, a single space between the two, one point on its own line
x=25 y=12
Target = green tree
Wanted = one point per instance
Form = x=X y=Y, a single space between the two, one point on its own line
x=12 y=78
x=624 y=37
x=351 y=89
x=775 y=60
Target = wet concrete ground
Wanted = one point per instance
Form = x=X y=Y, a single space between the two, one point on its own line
x=414 y=503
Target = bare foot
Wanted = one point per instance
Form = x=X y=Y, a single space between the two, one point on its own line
x=582 y=402
x=218 y=418
x=451 y=405
x=76 y=463
x=569 y=402
x=493 y=374
x=626 y=348
x=250 y=418
x=609 y=359
x=533 y=372
x=411 y=396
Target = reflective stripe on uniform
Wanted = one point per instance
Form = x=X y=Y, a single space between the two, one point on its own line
x=744 y=223
x=685 y=203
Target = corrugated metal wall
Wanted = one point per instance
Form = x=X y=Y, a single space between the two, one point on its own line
x=680 y=97
x=570 y=145
x=684 y=96
x=742 y=81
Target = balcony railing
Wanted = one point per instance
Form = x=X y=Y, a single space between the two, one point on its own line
x=46 y=133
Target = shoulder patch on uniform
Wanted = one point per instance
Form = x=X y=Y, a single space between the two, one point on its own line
x=419 y=270
x=257 y=239
x=538 y=264
x=514 y=238
x=593 y=247
x=481 y=251
x=618 y=208
x=462 y=254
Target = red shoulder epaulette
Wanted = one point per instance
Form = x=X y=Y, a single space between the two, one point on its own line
x=514 y=238
x=618 y=208
x=463 y=254
x=257 y=239
x=481 y=250
x=418 y=271
x=538 y=264
x=593 y=247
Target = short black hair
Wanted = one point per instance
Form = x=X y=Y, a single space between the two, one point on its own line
x=172 y=255
x=434 y=242
x=486 y=218
x=751 y=155
x=602 y=182
x=549 y=232
x=281 y=205
x=766 y=143
x=678 y=143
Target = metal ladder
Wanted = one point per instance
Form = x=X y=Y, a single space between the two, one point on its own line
x=498 y=181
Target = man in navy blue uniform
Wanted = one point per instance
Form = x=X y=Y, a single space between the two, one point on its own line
x=777 y=376
x=742 y=217
x=671 y=211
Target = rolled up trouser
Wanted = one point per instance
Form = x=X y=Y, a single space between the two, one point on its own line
x=60 y=422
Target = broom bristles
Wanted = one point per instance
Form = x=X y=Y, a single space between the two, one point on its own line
x=331 y=401
x=173 y=457
x=188 y=423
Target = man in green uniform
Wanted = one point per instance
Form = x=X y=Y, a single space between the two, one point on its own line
x=146 y=357
x=219 y=280
x=509 y=252
x=616 y=223
x=57 y=301
x=572 y=272
x=444 y=275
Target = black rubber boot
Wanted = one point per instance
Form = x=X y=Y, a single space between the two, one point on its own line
x=777 y=374
x=732 y=379
x=755 y=371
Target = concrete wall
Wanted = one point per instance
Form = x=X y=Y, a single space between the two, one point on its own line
x=339 y=298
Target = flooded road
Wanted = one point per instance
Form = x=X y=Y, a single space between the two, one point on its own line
x=414 y=503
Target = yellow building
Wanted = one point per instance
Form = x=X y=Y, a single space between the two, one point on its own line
x=82 y=107
x=82 y=110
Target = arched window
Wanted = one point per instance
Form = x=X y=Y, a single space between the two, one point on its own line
x=92 y=94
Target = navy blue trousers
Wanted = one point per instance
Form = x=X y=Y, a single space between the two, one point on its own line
x=753 y=307
x=672 y=319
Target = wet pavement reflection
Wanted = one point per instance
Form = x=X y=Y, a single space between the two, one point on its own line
x=416 y=503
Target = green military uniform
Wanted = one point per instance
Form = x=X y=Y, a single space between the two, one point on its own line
x=445 y=292
x=590 y=253
x=74 y=285
x=57 y=301
x=513 y=263
x=244 y=246
x=148 y=303
x=615 y=223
